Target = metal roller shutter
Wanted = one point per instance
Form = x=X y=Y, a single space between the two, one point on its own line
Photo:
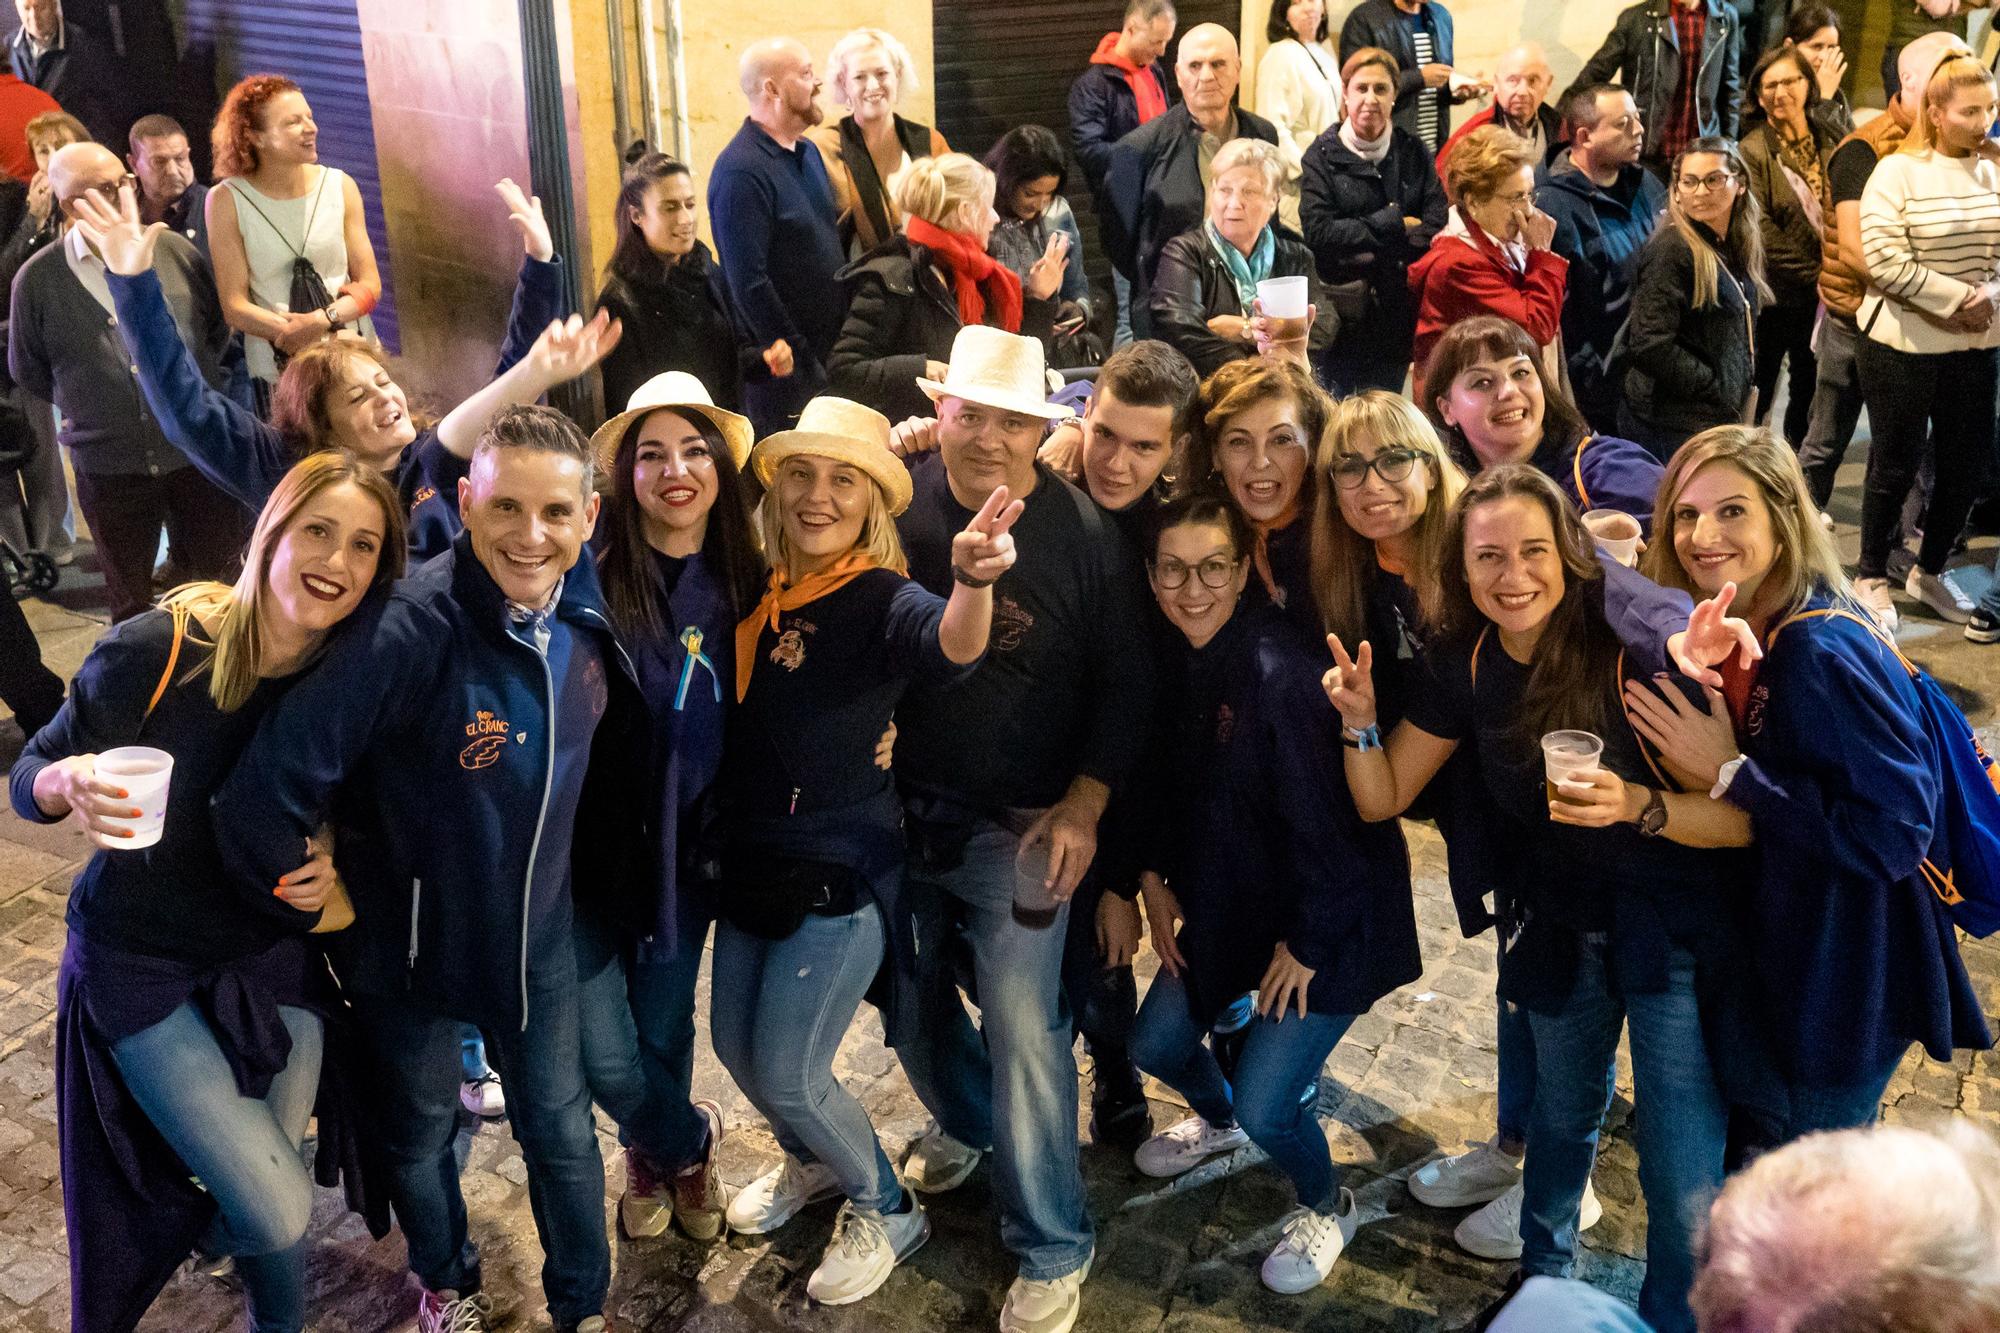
x=317 y=45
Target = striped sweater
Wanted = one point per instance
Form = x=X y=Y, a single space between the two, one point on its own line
x=1930 y=231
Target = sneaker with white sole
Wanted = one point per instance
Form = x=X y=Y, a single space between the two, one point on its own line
x=937 y=1162
x=483 y=1096
x=1311 y=1244
x=865 y=1249
x=1984 y=627
x=1478 y=1175
x=1494 y=1232
x=1036 y=1305
x=700 y=1197
x=1874 y=594
x=449 y=1312
x=1185 y=1145
x=1942 y=594
x=771 y=1200
x=647 y=1205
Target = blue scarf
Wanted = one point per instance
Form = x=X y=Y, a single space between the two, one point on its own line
x=1246 y=274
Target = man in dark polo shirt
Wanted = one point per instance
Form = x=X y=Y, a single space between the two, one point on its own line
x=771 y=207
x=1013 y=765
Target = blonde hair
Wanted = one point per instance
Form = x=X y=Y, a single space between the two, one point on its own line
x=1805 y=560
x=878 y=540
x=1342 y=559
x=1953 y=75
x=1746 y=230
x=1483 y=161
x=237 y=615
x=1250 y=153
x=50 y=125
x=861 y=39
x=937 y=188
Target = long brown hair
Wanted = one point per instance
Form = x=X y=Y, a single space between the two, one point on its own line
x=1577 y=653
x=233 y=138
x=632 y=257
x=1492 y=338
x=1746 y=225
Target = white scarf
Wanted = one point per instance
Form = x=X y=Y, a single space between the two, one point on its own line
x=1368 y=150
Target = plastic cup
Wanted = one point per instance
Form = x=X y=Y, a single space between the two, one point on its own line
x=1034 y=905
x=1283 y=298
x=144 y=773
x=1565 y=753
x=1617 y=533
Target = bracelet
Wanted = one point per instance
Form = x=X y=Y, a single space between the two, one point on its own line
x=364 y=300
x=1362 y=738
x=959 y=576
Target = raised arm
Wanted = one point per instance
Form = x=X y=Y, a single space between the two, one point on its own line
x=979 y=556
x=1382 y=778
x=566 y=349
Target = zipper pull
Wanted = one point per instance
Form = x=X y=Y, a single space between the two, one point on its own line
x=795 y=802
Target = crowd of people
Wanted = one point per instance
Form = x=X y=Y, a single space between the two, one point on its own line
x=895 y=636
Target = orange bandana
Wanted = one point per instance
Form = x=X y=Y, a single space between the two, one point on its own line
x=1260 y=555
x=778 y=599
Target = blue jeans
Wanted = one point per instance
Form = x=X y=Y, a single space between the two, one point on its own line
x=1016 y=1088
x=244 y=1151
x=472 y=1064
x=789 y=1003
x=1516 y=1040
x=638 y=1034
x=1102 y=999
x=1857 y=1105
x=1279 y=1056
x=548 y=1110
x=1683 y=1126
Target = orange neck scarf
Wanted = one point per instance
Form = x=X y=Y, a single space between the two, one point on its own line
x=1260 y=555
x=779 y=598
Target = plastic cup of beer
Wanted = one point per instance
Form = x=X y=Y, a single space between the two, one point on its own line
x=143 y=773
x=1564 y=754
x=1617 y=533
x=1034 y=905
x=1283 y=302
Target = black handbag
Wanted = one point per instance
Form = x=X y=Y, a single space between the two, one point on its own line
x=770 y=894
x=1350 y=300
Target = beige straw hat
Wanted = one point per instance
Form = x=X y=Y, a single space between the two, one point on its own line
x=680 y=392
x=846 y=432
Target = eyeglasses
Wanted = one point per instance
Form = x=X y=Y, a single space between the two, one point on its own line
x=1713 y=182
x=1391 y=465
x=110 y=189
x=1214 y=572
x=1780 y=85
x=1529 y=198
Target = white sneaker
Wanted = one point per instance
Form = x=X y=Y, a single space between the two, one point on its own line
x=1312 y=1242
x=1941 y=593
x=483 y=1096
x=1185 y=1145
x=1874 y=594
x=1477 y=1175
x=865 y=1249
x=771 y=1200
x=1051 y=1306
x=937 y=1162
x=1494 y=1232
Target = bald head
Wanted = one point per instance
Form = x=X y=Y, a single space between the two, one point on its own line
x=777 y=78
x=770 y=59
x=1208 y=69
x=1521 y=82
x=78 y=167
x=1915 y=65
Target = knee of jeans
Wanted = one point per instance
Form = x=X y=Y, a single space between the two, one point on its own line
x=276 y=1220
x=786 y=1081
x=1267 y=1113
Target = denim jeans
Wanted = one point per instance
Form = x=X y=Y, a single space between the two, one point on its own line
x=1102 y=1000
x=548 y=1110
x=472 y=1064
x=1016 y=1088
x=1945 y=402
x=1683 y=1126
x=1121 y=292
x=789 y=1003
x=638 y=1034
x=1516 y=1058
x=244 y=1151
x=1279 y=1056
x=1812 y=1108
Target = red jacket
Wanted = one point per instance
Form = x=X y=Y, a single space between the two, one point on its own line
x=20 y=103
x=1464 y=274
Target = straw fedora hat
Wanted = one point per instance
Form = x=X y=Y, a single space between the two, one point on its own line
x=682 y=392
x=846 y=432
x=996 y=368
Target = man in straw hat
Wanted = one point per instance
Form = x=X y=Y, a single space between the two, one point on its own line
x=1005 y=775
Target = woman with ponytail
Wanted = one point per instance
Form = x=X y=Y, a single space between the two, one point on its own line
x=909 y=297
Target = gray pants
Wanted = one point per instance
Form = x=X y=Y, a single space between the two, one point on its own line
x=1836 y=406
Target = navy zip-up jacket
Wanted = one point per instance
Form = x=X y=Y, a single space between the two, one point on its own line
x=1604 y=472
x=426 y=732
x=1600 y=232
x=247 y=458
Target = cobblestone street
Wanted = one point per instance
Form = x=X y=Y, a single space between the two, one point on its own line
x=1413 y=1076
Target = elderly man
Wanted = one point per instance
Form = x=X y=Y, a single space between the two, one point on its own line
x=71 y=65
x=1679 y=58
x=1157 y=182
x=168 y=192
x=130 y=480
x=1005 y=776
x=1520 y=103
x=771 y=206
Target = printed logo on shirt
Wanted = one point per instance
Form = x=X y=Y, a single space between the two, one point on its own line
x=1011 y=623
x=595 y=687
x=423 y=493
x=1225 y=724
x=789 y=651
x=489 y=738
x=1753 y=714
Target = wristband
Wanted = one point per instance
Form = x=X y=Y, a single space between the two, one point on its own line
x=959 y=576
x=1362 y=738
x=364 y=300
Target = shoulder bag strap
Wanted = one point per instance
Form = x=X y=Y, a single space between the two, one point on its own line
x=180 y=614
x=1645 y=750
x=1823 y=612
x=1576 y=473
x=275 y=229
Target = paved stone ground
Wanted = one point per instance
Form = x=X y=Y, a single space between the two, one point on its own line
x=1413 y=1076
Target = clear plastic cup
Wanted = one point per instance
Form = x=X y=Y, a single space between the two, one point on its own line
x=1283 y=301
x=144 y=774
x=1565 y=753
x=1617 y=532
x=1034 y=905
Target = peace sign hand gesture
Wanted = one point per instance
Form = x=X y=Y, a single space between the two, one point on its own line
x=124 y=243
x=1711 y=636
x=985 y=550
x=1350 y=684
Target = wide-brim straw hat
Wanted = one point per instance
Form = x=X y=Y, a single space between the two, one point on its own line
x=995 y=368
x=846 y=432
x=677 y=391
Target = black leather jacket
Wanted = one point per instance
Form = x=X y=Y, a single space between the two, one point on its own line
x=1192 y=286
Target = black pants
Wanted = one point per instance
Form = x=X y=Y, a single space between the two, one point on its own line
x=32 y=690
x=1948 y=400
x=1103 y=1001
x=207 y=529
x=1786 y=331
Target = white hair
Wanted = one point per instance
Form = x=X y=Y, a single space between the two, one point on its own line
x=1251 y=153
x=861 y=39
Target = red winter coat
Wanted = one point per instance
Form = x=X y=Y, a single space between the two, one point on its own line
x=1464 y=274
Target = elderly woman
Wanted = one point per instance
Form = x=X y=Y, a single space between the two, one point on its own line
x=1298 y=87
x=1204 y=290
x=871 y=71
x=1493 y=257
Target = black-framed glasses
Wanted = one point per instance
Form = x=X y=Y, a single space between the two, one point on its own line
x=1214 y=572
x=109 y=190
x=1391 y=465
x=1713 y=182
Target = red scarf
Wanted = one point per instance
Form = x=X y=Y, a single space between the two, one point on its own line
x=976 y=277
x=1150 y=98
x=778 y=597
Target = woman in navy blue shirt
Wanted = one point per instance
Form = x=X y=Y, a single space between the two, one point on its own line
x=188 y=1017
x=810 y=829
x=1851 y=956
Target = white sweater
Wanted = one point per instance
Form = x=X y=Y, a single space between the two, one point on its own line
x=1301 y=98
x=1930 y=231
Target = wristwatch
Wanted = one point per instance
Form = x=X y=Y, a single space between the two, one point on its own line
x=1653 y=819
x=1723 y=777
